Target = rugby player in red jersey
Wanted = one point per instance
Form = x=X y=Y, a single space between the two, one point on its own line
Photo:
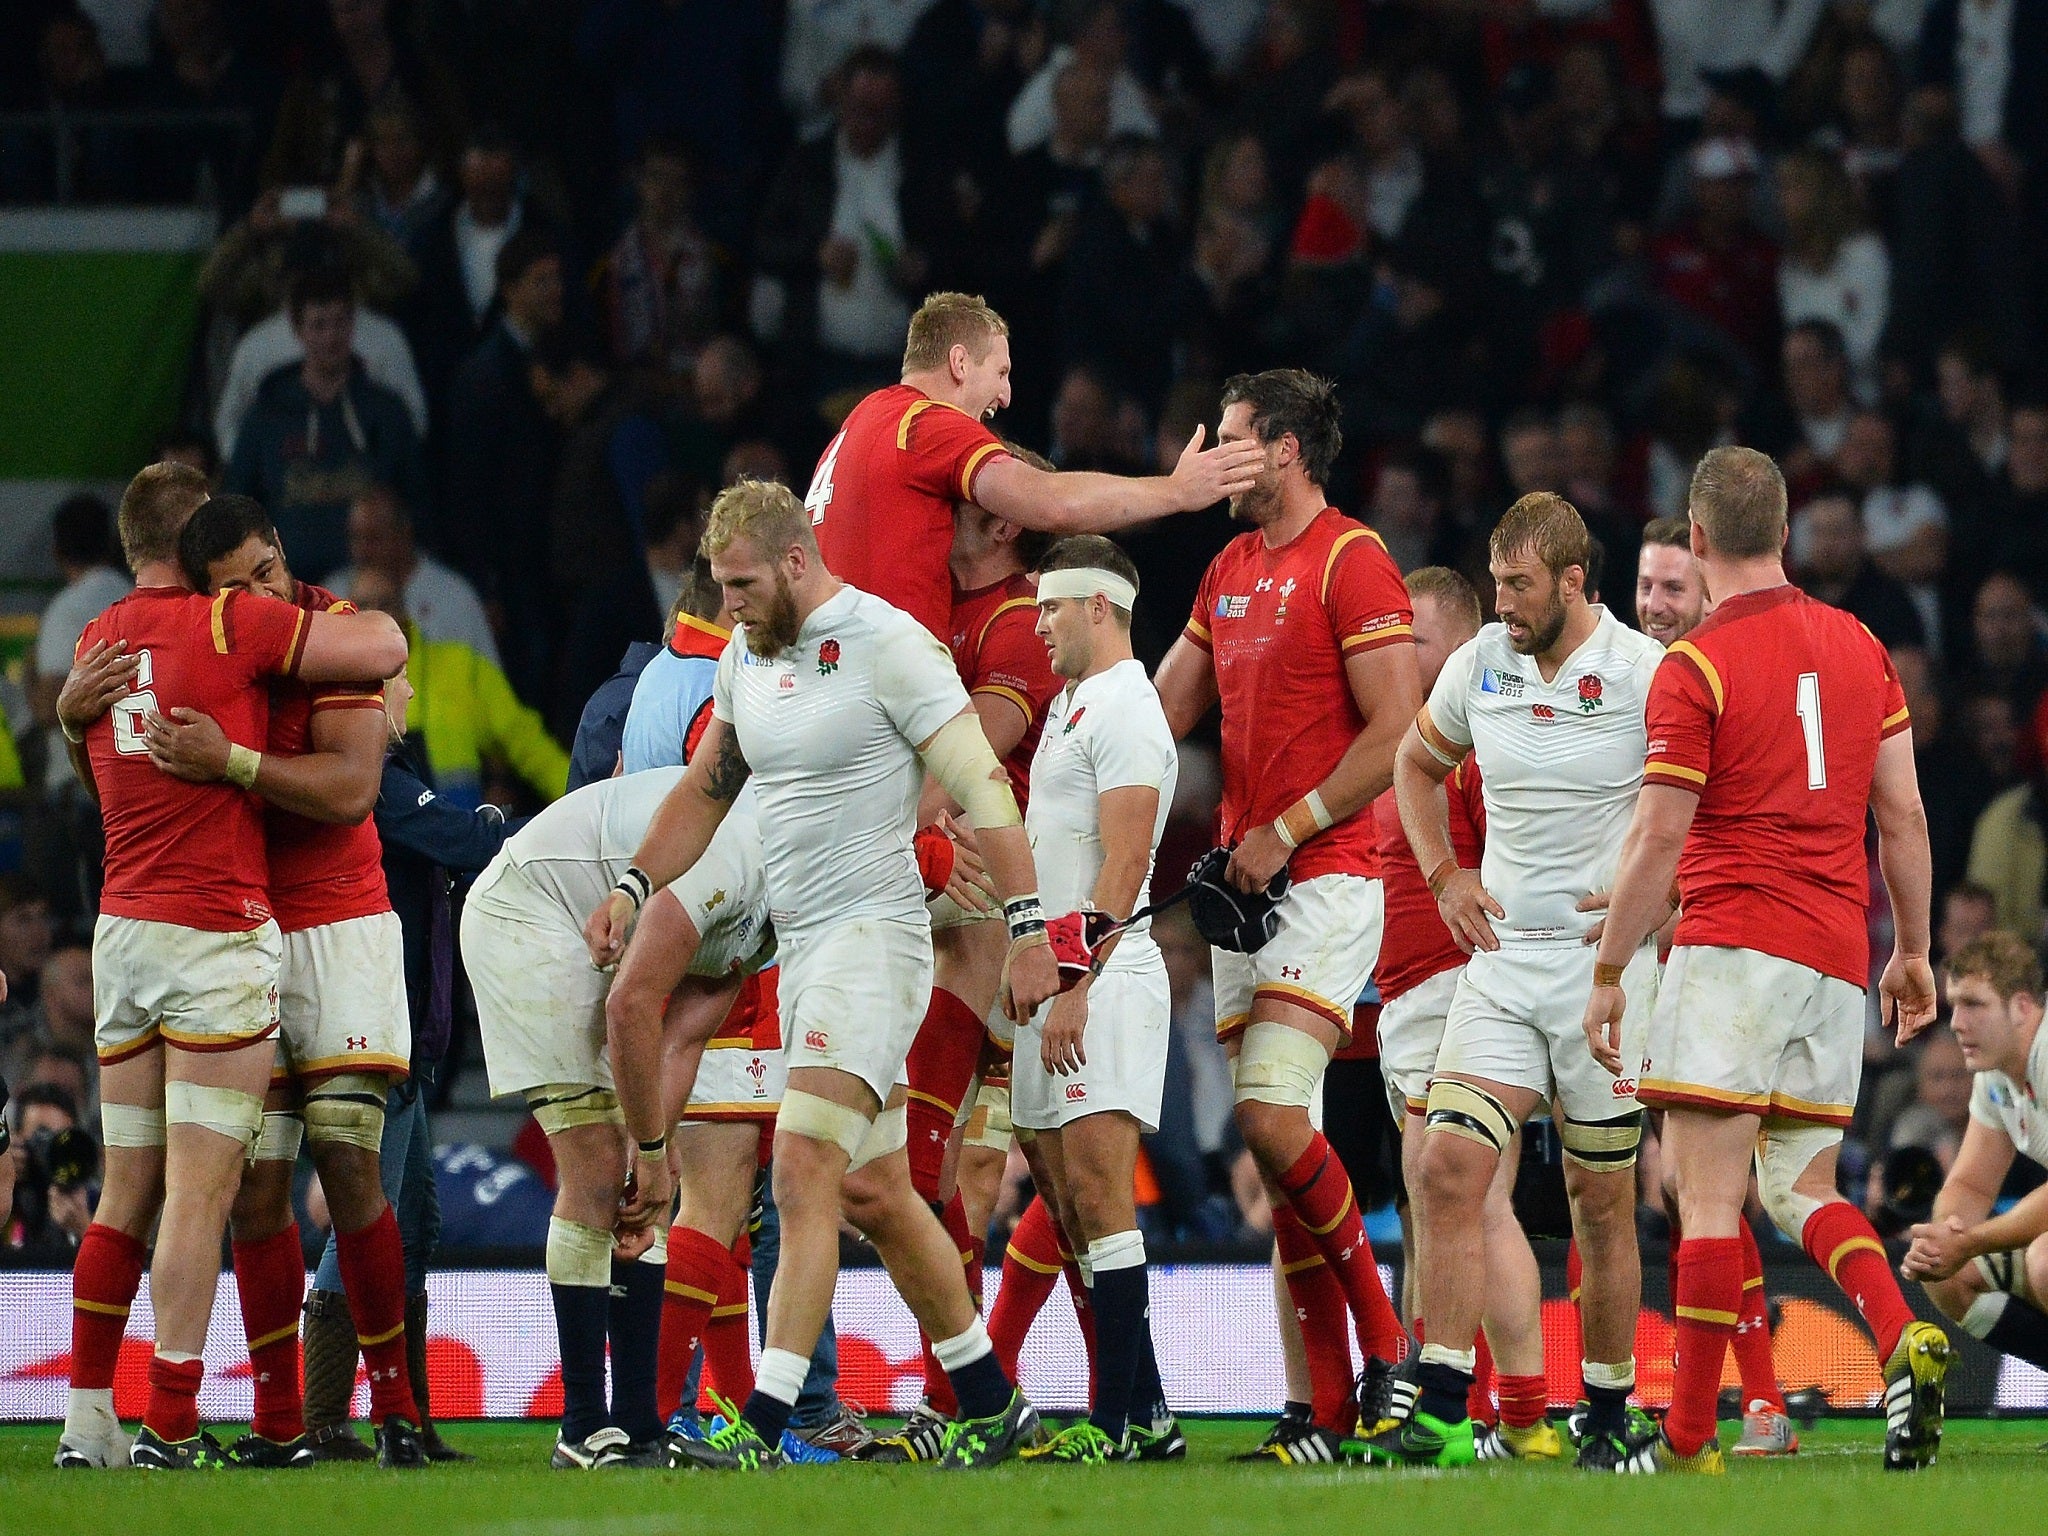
x=1774 y=728
x=1301 y=631
x=344 y=1033
x=185 y=953
x=881 y=499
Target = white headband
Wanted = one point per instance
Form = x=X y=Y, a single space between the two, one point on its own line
x=1085 y=582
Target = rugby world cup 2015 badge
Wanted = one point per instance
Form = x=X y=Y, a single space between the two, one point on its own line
x=1589 y=693
x=828 y=657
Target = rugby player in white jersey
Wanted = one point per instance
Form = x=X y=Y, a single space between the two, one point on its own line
x=541 y=1015
x=832 y=703
x=1990 y=1272
x=1089 y=1069
x=1550 y=701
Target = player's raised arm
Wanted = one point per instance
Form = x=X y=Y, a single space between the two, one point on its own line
x=682 y=829
x=350 y=648
x=1902 y=857
x=1085 y=501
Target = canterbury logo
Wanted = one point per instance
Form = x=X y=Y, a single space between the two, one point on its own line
x=1624 y=1086
x=1076 y=1092
x=816 y=1039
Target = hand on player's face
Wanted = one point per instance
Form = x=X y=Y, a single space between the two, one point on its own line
x=101 y=674
x=1221 y=473
x=1604 y=1010
x=187 y=745
x=1255 y=861
x=1464 y=905
x=604 y=933
x=1060 y=1047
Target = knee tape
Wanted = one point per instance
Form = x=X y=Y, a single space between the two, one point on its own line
x=227 y=1111
x=1463 y=1109
x=805 y=1114
x=1605 y=1146
x=347 y=1108
x=278 y=1141
x=889 y=1133
x=989 y=1126
x=2005 y=1273
x=578 y=1255
x=130 y=1125
x=1279 y=1065
x=563 y=1106
x=1783 y=1151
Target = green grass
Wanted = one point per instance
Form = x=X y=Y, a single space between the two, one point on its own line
x=1989 y=1472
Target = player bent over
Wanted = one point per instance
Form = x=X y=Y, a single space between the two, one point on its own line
x=1419 y=966
x=828 y=700
x=344 y=1032
x=1550 y=702
x=185 y=954
x=541 y=1015
x=1774 y=727
x=1090 y=1067
x=1301 y=632
x=1990 y=1273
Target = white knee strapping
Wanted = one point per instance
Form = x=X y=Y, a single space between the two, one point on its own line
x=347 y=1109
x=889 y=1133
x=278 y=1141
x=1119 y=1250
x=1783 y=1151
x=805 y=1114
x=130 y=1125
x=989 y=1126
x=1279 y=1065
x=2006 y=1272
x=578 y=1255
x=226 y=1111
x=1984 y=1313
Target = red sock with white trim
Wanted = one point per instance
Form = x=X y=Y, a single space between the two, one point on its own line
x=373 y=1276
x=1752 y=1341
x=729 y=1335
x=1707 y=1302
x=1479 y=1396
x=1031 y=1267
x=104 y=1279
x=1321 y=1313
x=1841 y=1241
x=270 y=1278
x=690 y=1286
x=1319 y=1190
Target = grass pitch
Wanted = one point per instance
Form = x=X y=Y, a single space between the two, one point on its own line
x=1989 y=1472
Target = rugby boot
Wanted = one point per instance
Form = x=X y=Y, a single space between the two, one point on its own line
x=1913 y=1397
x=1531 y=1442
x=725 y=1447
x=1161 y=1440
x=1631 y=1450
x=200 y=1453
x=1081 y=1445
x=1706 y=1460
x=1377 y=1393
x=399 y=1444
x=1424 y=1440
x=921 y=1438
x=255 y=1451
x=1766 y=1432
x=972 y=1444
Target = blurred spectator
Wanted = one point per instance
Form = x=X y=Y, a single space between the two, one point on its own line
x=1863 y=132
x=323 y=432
x=438 y=598
x=963 y=65
x=60 y=1020
x=26 y=937
x=201 y=63
x=1834 y=268
x=1817 y=392
x=2008 y=654
x=1406 y=510
x=1988 y=54
x=1968 y=912
x=358 y=63
x=1905 y=526
x=1962 y=451
x=250 y=273
x=1717 y=264
x=401 y=190
x=82 y=535
x=502 y=449
x=665 y=287
x=1099 y=42
x=273 y=343
x=2020 y=504
x=1698 y=37
x=1956 y=783
x=846 y=236
x=1117 y=311
x=1828 y=552
x=464 y=712
x=1940 y=1110
x=1090 y=428
x=819 y=35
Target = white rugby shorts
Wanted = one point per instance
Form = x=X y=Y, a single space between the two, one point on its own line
x=341 y=999
x=1130 y=1017
x=1517 y=1018
x=1320 y=958
x=539 y=1000
x=1411 y=1035
x=1746 y=1032
x=185 y=987
x=853 y=996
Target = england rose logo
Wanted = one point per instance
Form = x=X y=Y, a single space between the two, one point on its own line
x=1589 y=693
x=828 y=658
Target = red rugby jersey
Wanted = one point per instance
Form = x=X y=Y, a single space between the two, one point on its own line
x=1416 y=945
x=881 y=499
x=996 y=649
x=1771 y=712
x=1278 y=624
x=190 y=854
x=320 y=872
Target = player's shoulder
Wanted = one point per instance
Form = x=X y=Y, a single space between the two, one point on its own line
x=1124 y=694
x=1631 y=646
x=317 y=599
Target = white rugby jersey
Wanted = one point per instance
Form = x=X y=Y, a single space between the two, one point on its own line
x=577 y=849
x=830 y=729
x=1104 y=732
x=2004 y=1105
x=1559 y=763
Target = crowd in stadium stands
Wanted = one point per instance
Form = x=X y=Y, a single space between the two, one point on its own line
x=505 y=291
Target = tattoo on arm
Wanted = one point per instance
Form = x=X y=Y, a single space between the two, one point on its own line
x=730 y=772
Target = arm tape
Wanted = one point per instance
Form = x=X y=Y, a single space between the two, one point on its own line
x=965 y=765
x=243 y=763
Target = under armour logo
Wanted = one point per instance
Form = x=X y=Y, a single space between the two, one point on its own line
x=1291 y=972
x=359 y=1042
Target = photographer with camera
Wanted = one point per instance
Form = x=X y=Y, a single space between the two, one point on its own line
x=54 y=1169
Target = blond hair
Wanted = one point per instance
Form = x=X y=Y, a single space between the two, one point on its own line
x=1450 y=591
x=766 y=513
x=2002 y=959
x=1547 y=526
x=1738 y=500
x=948 y=320
x=158 y=503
